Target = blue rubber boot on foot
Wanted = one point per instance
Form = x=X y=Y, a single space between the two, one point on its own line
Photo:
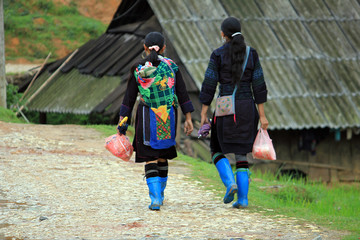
x=242 y=179
x=227 y=177
x=163 y=181
x=154 y=192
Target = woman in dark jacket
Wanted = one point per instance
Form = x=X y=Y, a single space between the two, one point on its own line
x=162 y=89
x=234 y=133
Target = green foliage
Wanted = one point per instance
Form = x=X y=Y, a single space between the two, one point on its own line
x=12 y=96
x=42 y=26
x=108 y=130
x=69 y=118
x=65 y=10
x=44 y=5
x=7 y=115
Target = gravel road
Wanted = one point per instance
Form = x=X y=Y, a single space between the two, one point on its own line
x=59 y=182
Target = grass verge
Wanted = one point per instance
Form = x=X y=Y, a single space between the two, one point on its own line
x=336 y=207
x=108 y=130
x=7 y=115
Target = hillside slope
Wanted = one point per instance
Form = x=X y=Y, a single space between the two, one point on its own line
x=33 y=28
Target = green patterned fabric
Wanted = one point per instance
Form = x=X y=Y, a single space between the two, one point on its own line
x=163 y=128
x=156 y=85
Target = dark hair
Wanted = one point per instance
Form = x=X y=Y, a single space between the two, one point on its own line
x=151 y=39
x=154 y=39
x=230 y=26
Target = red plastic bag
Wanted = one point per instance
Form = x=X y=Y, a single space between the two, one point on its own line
x=263 y=147
x=120 y=146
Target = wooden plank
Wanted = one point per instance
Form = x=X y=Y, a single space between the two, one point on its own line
x=334 y=175
x=318 y=165
x=355 y=152
x=35 y=76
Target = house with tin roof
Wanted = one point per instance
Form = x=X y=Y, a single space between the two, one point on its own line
x=309 y=51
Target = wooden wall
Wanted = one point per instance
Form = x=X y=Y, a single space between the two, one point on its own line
x=333 y=160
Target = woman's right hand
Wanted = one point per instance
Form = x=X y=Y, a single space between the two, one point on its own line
x=203 y=114
x=204 y=120
x=264 y=122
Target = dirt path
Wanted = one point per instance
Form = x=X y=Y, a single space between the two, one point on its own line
x=58 y=182
x=19 y=68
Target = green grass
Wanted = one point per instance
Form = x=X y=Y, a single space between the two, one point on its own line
x=336 y=207
x=108 y=130
x=7 y=115
x=43 y=27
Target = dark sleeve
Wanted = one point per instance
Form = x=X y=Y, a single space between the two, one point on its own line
x=258 y=82
x=129 y=98
x=182 y=94
x=210 y=82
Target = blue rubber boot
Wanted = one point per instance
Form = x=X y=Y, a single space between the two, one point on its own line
x=242 y=179
x=227 y=177
x=154 y=192
x=163 y=181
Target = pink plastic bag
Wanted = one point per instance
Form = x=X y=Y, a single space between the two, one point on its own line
x=263 y=147
x=120 y=146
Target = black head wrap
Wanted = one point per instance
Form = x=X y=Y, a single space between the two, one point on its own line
x=154 y=38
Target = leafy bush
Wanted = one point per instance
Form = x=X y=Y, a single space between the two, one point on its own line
x=69 y=118
x=12 y=96
x=66 y=10
x=44 y=5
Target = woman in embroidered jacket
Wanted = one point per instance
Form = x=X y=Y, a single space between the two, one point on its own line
x=161 y=88
x=234 y=133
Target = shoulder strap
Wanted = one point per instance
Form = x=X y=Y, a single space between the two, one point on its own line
x=244 y=65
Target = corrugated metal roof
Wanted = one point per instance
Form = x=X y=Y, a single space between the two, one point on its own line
x=193 y=29
x=76 y=93
x=96 y=70
x=309 y=51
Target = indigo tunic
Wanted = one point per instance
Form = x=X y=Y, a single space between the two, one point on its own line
x=227 y=135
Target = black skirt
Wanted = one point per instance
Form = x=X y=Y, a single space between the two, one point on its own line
x=145 y=153
x=230 y=136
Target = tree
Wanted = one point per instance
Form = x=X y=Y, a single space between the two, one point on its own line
x=3 y=82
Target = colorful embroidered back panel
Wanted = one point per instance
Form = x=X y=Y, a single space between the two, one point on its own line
x=157 y=88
